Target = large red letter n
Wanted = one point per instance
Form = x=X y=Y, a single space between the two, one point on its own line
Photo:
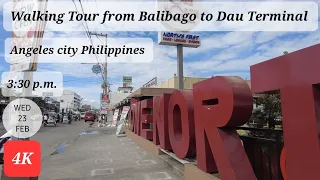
x=160 y=121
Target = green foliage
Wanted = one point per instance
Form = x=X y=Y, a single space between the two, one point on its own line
x=285 y=52
x=40 y=102
x=267 y=111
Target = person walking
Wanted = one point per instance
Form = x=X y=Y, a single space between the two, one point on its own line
x=58 y=117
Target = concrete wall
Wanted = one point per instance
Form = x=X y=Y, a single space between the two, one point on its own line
x=173 y=82
x=167 y=84
x=188 y=82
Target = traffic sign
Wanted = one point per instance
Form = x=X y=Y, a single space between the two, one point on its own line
x=26 y=34
x=96 y=69
x=104 y=105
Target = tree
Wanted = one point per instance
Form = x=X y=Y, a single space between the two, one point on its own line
x=40 y=102
x=285 y=52
x=267 y=111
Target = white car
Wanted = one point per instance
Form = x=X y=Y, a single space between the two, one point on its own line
x=82 y=115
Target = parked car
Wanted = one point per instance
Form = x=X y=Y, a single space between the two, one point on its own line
x=89 y=116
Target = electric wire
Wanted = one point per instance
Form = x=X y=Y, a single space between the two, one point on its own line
x=87 y=31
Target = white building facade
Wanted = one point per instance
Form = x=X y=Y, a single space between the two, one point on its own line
x=70 y=101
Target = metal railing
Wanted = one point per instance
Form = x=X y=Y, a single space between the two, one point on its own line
x=263 y=148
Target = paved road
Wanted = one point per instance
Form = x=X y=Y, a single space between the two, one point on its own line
x=51 y=137
x=101 y=155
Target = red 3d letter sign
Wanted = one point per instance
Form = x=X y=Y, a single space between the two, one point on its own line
x=221 y=104
x=135 y=117
x=146 y=118
x=133 y=113
x=297 y=76
x=132 y=116
x=181 y=124
x=160 y=121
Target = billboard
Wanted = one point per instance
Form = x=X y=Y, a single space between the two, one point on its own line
x=152 y=83
x=104 y=102
x=176 y=38
x=127 y=81
x=26 y=34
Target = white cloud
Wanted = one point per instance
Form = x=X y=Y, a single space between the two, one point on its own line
x=263 y=37
x=59 y=7
x=233 y=57
x=230 y=53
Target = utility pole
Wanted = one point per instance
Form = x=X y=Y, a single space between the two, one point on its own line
x=180 y=66
x=105 y=72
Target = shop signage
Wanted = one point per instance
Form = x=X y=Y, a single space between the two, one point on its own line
x=26 y=34
x=121 y=128
x=151 y=83
x=115 y=118
x=211 y=111
x=104 y=102
x=127 y=81
x=176 y=38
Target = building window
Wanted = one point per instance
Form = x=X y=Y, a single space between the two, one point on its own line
x=126 y=91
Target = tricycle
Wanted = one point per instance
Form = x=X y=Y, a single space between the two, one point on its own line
x=67 y=119
x=50 y=118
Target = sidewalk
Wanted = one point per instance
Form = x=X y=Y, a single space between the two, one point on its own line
x=101 y=155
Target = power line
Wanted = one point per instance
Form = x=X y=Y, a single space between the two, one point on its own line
x=86 y=28
x=90 y=38
x=72 y=80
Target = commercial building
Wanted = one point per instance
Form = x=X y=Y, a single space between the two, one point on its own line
x=70 y=101
x=53 y=104
x=173 y=82
x=122 y=93
x=85 y=107
x=164 y=87
x=125 y=90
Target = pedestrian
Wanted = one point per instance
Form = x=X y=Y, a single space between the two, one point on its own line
x=58 y=117
x=69 y=116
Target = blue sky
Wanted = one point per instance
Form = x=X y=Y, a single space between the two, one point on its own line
x=221 y=53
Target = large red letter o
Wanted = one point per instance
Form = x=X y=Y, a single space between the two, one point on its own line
x=181 y=124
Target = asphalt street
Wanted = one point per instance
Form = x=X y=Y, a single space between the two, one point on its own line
x=51 y=137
